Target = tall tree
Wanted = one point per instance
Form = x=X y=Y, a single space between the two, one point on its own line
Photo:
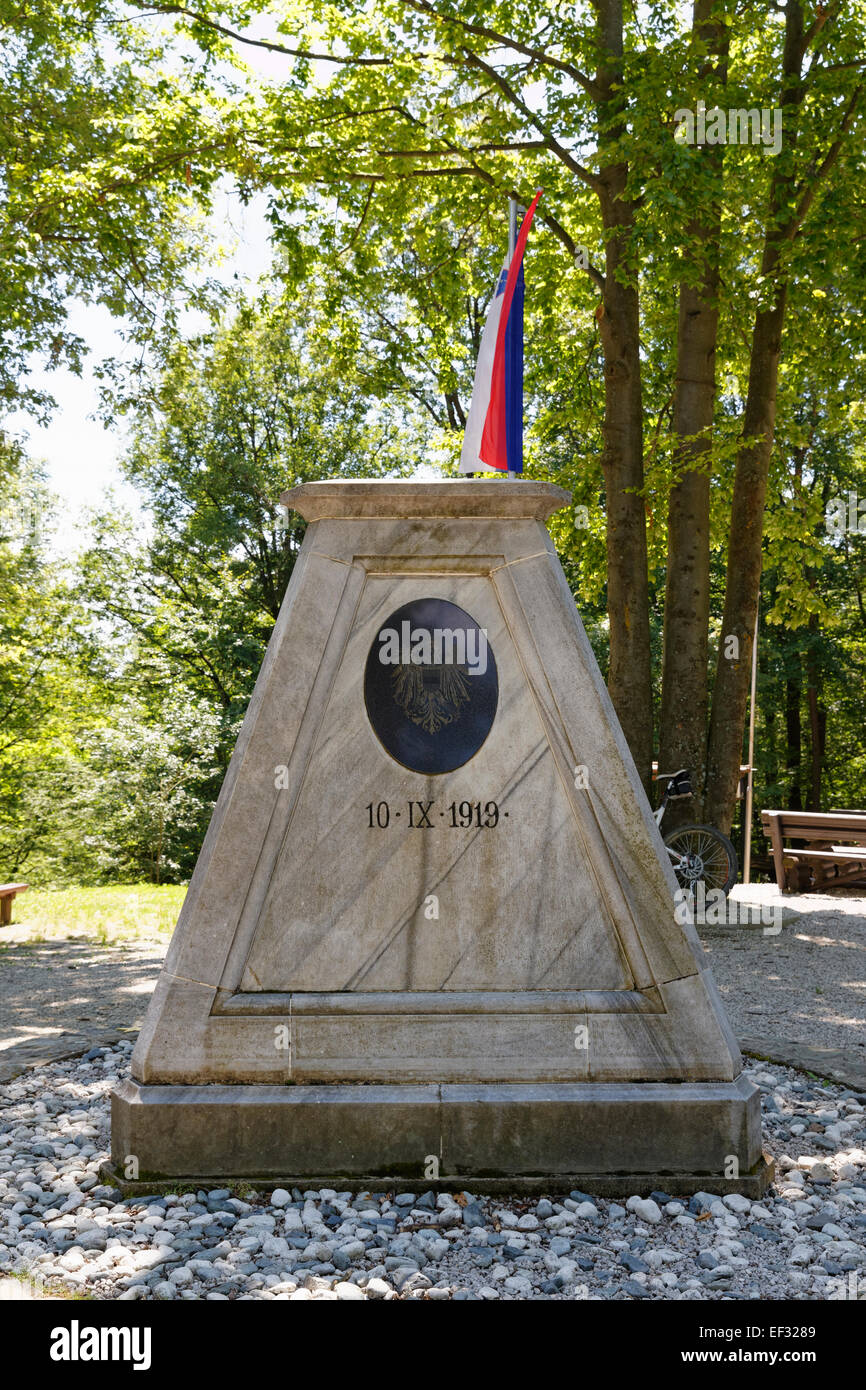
x=816 y=122
x=425 y=98
x=233 y=418
x=426 y=93
x=685 y=693
x=629 y=674
x=108 y=150
x=39 y=687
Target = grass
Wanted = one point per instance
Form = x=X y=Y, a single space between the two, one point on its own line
x=107 y=915
x=47 y=1288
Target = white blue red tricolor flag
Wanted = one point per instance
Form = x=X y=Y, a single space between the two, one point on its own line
x=494 y=430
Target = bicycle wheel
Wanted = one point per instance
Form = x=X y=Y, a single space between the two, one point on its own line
x=702 y=854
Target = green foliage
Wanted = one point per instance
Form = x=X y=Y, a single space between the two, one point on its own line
x=141 y=794
x=108 y=151
x=39 y=684
x=96 y=781
x=235 y=418
x=127 y=678
x=122 y=687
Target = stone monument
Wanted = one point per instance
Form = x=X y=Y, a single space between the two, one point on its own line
x=431 y=934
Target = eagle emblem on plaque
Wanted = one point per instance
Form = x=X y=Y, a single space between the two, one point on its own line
x=431 y=696
x=431 y=686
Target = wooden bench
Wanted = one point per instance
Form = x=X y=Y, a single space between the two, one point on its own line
x=831 y=848
x=7 y=895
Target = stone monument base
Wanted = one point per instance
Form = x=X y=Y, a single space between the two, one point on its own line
x=432 y=934
x=607 y=1139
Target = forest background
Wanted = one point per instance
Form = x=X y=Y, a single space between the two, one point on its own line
x=695 y=367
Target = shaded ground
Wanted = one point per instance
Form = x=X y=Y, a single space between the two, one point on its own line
x=797 y=996
x=78 y=966
x=59 y=998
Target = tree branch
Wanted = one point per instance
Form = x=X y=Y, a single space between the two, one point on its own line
x=571 y=246
x=552 y=144
x=818 y=174
x=537 y=54
x=268 y=44
x=824 y=14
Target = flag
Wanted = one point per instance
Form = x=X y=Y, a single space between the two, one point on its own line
x=493 y=438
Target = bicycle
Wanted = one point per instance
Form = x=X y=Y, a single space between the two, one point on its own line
x=698 y=853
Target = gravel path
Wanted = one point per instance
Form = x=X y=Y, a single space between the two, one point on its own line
x=805 y=985
x=62 y=1231
x=65 y=1231
x=58 y=998
x=808 y=983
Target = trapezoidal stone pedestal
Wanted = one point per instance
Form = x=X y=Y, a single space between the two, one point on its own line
x=431 y=934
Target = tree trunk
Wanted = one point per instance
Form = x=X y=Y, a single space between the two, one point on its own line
x=685 y=691
x=733 y=672
x=794 y=730
x=817 y=722
x=630 y=675
x=731 y=687
x=685 y=694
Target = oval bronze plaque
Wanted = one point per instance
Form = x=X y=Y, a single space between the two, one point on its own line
x=430 y=686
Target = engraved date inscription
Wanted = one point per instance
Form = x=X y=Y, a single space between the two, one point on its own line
x=424 y=815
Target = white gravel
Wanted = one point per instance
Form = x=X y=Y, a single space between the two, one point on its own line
x=61 y=1229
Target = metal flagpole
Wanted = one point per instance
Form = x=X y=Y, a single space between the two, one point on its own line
x=747 y=853
x=512 y=242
